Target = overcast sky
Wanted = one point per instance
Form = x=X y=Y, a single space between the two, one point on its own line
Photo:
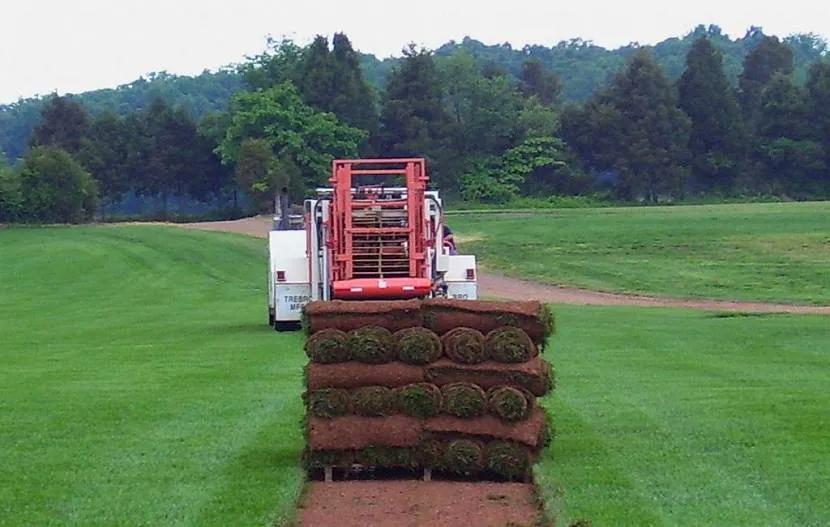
x=73 y=46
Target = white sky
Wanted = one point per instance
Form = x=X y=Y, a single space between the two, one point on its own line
x=78 y=45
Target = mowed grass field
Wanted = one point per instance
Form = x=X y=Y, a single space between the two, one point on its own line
x=140 y=384
x=766 y=252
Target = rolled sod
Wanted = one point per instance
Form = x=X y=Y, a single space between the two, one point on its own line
x=535 y=375
x=443 y=314
x=355 y=374
x=509 y=345
x=327 y=347
x=507 y=459
x=372 y=401
x=312 y=459
x=347 y=316
x=387 y=457
x=352 y=432
x=371 y=345
x=463 y=456
x=417 y=346
x=418 y=400
x=531 y=431
x=463 y=399
x=464 y=345
x=430 y=453
x=327 y=402
x=509 y=403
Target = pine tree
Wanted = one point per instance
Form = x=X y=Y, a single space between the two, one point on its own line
x=717 y=137
x=642 y=132
x=414 y=121
x=768 y=57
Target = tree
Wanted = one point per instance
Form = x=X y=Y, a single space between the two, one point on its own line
x=636 y=128
x=414 y=120
x=768 y=57
x=353 y=101
x=105 y=156
x=792 y=163
x=297 y=133
x=11 y=199
x=280 y=63
x=537 y=81
x=717 y=138
x=65 y=125
x=55 y=188
x=818 y=108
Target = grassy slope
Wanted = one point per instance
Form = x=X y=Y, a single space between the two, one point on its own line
x=768 y=252
x=684 y=418
x=139 y=382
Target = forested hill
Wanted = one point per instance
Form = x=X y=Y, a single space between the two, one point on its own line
x=581 y=66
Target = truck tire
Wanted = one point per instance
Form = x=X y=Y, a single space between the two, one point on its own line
x=287 y=326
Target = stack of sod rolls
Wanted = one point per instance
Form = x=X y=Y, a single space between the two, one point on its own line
x=438 y=384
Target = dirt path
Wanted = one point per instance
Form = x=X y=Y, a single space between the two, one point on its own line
x=495 y=286
x=417 y=503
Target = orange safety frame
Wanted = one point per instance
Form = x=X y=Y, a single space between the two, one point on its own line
x=378 y=261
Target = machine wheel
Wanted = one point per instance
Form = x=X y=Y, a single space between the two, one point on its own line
x=287 y=326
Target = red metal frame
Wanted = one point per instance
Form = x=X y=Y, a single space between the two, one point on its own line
x=370 y=257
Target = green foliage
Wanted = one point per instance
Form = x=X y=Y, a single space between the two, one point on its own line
x=297 y=133
x=11 y=197
x=717 y=140
x=55 y=188
x=762 y=63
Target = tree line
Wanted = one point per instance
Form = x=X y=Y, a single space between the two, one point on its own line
x=489 y=135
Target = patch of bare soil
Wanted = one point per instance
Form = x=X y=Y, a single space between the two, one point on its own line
x=417 y=503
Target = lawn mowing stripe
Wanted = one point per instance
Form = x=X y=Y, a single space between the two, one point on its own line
x=715 y=420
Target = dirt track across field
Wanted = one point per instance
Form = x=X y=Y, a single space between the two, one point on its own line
x=503 y=287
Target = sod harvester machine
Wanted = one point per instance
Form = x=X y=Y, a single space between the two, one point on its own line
x=408 y=369
x=366 y=242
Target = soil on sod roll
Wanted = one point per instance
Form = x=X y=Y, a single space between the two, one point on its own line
x=355 y=374
x=532 y=432
x=509 y=345
x=509 y=403
x=347 y=316
x=418 y=400
x=417 y=345
x=463 y=399
x=327 y=346
x=371 y=345
x=535 y=375
x=352 y=432
x=535 y=318
x=327 y=402
x=464 y=345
